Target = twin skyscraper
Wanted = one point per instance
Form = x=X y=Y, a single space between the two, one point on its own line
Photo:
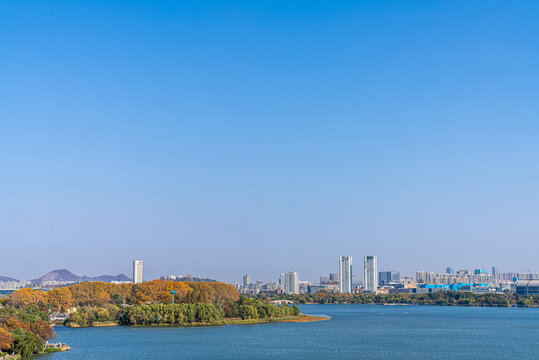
x=370 y=274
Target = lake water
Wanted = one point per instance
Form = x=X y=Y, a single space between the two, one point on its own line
x=354 y=332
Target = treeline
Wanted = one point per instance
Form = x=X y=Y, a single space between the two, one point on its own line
x=448 y=298
x=181 y=314
x=24 y=330
x=171 y=314
x=247 y=308
x=99 y=294
x=86 y=316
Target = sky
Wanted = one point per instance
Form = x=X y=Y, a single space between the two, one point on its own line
x=221 y=138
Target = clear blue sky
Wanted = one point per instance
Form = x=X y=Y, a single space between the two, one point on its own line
x=223 y=138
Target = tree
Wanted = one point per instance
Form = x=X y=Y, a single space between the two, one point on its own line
x=24 y=343
x=117 y=299
x=60 y=299
x=25 y=297
x=248 y=312
x=6 y=339
x=43 y=330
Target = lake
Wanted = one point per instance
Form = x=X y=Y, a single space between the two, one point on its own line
x=354 y=332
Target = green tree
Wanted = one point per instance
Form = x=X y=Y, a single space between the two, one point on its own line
x=25 y=344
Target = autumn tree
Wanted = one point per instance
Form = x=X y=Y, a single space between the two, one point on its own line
x=203 y=293
x=25 y=297
x=60 y=299
x=6 y=339
x=43 y=330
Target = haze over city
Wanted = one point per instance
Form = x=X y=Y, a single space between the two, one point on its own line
x=217 y=139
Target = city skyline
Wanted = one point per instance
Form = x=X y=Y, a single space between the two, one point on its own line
x=156 y=274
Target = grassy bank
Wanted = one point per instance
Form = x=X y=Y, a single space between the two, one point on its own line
x=240 y=321
x=93 y=324
x=226 y=321
x=298 y=318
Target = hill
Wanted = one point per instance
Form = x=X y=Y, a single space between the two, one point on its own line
x=107 y=278
x=60 y=275
x=7 y=278
x=66 y=276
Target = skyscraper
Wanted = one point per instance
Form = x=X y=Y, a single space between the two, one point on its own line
x=370 y=273
x=449 y=270
x=246 y=279
x=345 y=274
x=291 y=285
x=495 y=270
x=137 y=271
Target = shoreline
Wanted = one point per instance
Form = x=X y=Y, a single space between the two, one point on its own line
x=415 y=304
x=301 y=318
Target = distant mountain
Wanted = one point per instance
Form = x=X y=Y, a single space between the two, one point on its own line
x=7 y=278
x=60 y=275
x=64 y=275
x=106 y=278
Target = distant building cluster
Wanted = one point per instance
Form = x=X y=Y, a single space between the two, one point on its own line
x=13 y=285
x=343 y=282
x=390 y=281
x=171 y=277
x=478 y=281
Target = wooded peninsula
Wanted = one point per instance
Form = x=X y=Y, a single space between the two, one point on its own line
x=25 y=314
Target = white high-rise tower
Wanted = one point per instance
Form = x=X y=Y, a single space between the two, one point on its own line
x=370 y=273
x=345 y=274
x=137 y=271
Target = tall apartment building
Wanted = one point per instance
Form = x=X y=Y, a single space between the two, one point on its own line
x=345 y=274
x=324 y=279
x=291 y=283
x=246 y=279
x=370 y=273
x=388 y=277
x=137 y=271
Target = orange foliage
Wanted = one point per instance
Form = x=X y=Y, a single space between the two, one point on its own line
x=5 y=339
x=158 y=291
x=25 y=297
x=60 y=299
x=94 y=293
x=212 y=292
x=43 y=330
x=11 y=323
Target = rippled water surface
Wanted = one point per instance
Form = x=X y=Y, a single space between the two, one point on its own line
x=354 y=332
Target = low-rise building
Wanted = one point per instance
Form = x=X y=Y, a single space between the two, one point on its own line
x=527 y=287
